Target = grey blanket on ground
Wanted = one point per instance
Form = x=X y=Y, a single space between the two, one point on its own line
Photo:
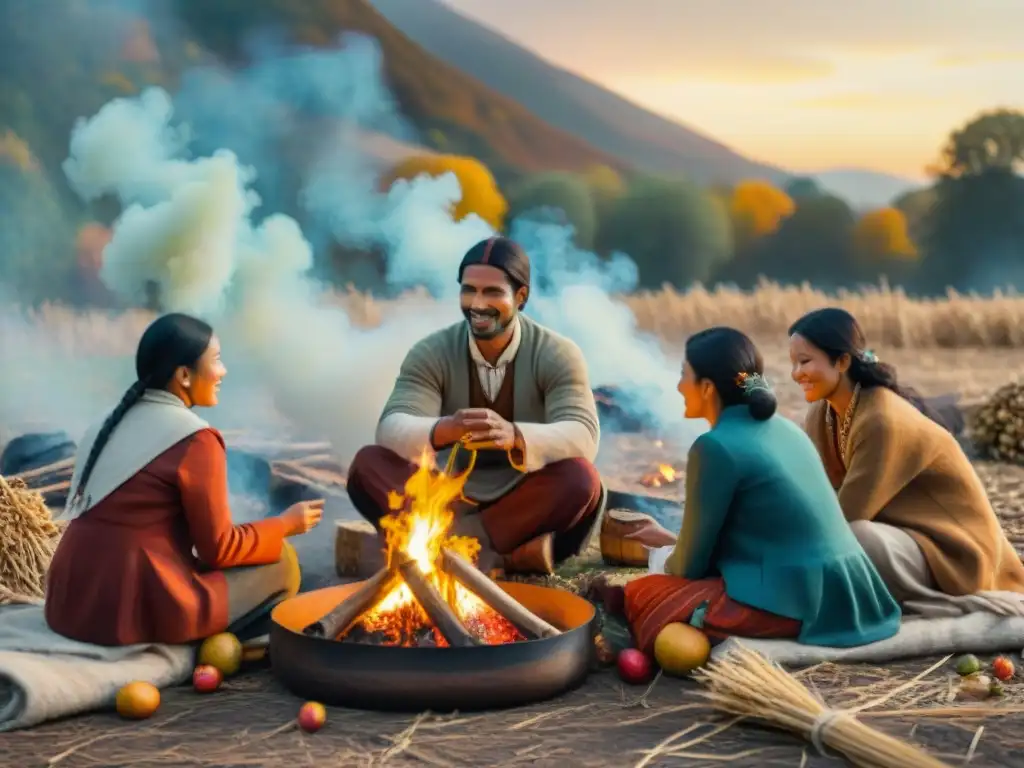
x=44 y=676
x=918 y=636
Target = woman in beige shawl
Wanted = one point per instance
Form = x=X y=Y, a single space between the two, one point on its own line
x=905 y=485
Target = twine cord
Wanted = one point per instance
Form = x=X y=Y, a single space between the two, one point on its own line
x=822 y=722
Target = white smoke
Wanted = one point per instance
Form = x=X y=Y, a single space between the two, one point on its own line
x=189 y=225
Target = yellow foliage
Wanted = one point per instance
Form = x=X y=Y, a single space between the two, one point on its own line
x=758 y=208
x=605 y=182
x=884 y=232
x=15 y=151
x=119 y=81
x=480 y=193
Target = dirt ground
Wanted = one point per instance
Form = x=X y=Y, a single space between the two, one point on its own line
x=251 y=721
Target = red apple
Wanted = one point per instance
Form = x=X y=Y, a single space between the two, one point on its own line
x=634 y=666
x=312 y=716
x=1002 y=668
x=206 y=678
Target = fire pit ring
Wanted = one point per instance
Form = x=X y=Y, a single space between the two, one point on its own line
x=390 y=678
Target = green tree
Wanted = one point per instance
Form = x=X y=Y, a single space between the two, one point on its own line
x=974 y=233
x=815 y=245
x=676 y=233
x=36 y=239
x=802 y=187
x=566 y=194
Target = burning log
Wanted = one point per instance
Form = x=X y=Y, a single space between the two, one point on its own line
x=664 y=475
x=438 y=611
x=338 y=620
x=496 y=598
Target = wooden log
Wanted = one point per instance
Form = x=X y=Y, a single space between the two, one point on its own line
x=64 y=466
x=359 y=550
x=469 y=576
x=438 y=611
x=336 y=622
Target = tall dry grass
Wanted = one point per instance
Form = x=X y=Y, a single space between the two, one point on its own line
x=890 y=318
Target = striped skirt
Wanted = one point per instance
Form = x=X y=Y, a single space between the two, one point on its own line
x=653 y=602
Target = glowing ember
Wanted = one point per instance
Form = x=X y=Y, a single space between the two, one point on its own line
x=665 y=474
x=418 y=528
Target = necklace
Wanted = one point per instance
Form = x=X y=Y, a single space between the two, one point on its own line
x=844 y=426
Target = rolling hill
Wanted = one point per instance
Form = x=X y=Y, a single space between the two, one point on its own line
x=606 y=120
x=65 y=61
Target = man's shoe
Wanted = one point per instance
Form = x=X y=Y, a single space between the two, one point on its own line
x=537 y=556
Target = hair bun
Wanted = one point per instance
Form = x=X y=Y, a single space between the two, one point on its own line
x=762 y=404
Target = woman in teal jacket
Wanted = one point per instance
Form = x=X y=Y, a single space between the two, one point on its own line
x=764 y=549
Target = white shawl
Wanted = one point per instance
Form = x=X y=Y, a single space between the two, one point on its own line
x=158 y=421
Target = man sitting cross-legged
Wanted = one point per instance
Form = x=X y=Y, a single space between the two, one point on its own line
x=516 y=391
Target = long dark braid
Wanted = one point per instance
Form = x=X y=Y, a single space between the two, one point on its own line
x=130 y=398
x=171 y=341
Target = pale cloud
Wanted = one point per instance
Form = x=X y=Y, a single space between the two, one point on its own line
x=754 y=70
x=979 y=59
x=867 y=101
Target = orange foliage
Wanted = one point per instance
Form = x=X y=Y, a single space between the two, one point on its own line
x=882 y=233
x=89 y=245
x=138 y=46
x=15 y=151
x=758 y=208
x=118 y=81
x=480 y=193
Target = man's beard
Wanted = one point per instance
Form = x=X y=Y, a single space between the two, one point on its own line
x=491 y=329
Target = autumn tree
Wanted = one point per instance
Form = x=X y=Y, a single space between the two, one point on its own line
x=565 y=195
x=675 y=232
x=757 y=209
x=480 y=193
x=882 y=234
x=974 y=232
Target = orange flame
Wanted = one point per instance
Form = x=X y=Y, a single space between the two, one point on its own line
x=666 y=474
x=418 y=528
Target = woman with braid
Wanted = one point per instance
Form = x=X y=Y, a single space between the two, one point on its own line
x=905 y=485
x=150 y=554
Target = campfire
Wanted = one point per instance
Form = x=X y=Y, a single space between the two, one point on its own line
x=430 y=592
x=664 y=475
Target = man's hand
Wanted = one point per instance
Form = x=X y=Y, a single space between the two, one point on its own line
x=451 y=429
x=488 y=430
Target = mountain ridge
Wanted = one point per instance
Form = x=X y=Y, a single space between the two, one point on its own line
x=605 y=119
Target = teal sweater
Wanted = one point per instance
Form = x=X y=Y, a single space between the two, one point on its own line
x=760 y=512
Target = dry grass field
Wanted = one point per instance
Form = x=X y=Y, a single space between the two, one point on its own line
x=890 y=318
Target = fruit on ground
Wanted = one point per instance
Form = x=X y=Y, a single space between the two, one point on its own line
x=680 y=648
x=604 y=651
x=1002 y=668
x=222 y=651
x=312 y=716
x=634 y=666
x=967 y=665
x=206 y=678
x=137 y=700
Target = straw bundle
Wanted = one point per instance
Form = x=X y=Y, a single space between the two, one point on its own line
x=28 y=537
x=744 y=683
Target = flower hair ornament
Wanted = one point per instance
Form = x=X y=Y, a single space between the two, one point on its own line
x=753 y=382
x=868 y=356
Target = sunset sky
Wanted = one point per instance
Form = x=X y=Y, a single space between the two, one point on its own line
x=806 y=84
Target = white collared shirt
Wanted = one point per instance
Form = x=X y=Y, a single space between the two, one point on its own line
x=493 y=376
